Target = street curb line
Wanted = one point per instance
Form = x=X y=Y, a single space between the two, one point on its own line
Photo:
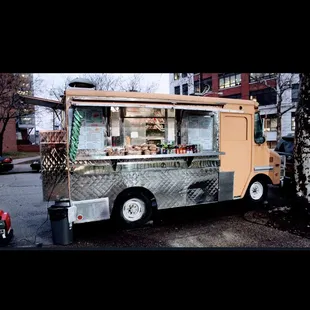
x=17 y=172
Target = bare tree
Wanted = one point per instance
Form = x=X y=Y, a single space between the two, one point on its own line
x=11 y=107
x=110 y=82
x=43 y=112
x=135 y=83
x=284 y=82
x=302 y=142
x=105 y=81
x=58 y=91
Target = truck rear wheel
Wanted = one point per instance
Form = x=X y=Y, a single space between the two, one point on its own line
x=133 y=210
x=257 y=191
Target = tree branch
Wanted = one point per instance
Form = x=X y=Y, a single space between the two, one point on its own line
x=263 y=81
x=288 y=109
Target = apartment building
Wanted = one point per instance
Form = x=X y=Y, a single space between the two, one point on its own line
x=260 y=86
x=25 y=123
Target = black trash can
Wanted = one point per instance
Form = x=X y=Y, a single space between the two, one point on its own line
x=62 y=232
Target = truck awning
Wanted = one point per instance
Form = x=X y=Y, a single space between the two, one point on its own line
x=53 y=104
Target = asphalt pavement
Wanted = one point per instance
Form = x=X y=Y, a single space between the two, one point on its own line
x=208 y=226
x=22 y=165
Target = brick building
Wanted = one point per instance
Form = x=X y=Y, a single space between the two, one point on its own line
x=17 y=136
x=9 y=139
x=243 y=86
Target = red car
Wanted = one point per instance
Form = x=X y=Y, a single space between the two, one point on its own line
x=6 y=231
x=6 y=164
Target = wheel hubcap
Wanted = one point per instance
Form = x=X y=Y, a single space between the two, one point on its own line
x=133 y=209
x=256 y=190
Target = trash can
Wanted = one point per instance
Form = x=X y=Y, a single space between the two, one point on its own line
x=62 y=232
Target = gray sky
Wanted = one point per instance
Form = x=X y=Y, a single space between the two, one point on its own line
x=51 y=80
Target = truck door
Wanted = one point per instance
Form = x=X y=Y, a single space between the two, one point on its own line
x=235 y=141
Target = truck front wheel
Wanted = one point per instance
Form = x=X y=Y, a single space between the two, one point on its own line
x=257 y=191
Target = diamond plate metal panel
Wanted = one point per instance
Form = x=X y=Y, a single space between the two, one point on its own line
x=172 y=185
x=54 y=164
x=53 y=136
x=226 y=185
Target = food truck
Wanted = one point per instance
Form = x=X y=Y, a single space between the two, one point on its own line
x=124 y=155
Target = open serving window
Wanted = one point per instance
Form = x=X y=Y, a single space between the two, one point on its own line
x=96 y=132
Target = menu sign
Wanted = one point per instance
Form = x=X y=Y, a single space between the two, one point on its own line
x=92 y=129
x=200 y=131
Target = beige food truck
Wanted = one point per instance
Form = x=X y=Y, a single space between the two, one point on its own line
x=123 y=155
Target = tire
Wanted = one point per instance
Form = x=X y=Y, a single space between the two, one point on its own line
x=7 y=240
x=257 y=191
x=133 y=210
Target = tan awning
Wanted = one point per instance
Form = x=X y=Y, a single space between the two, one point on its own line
x=53 y=104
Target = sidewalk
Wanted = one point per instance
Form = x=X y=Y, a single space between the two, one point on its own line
x=25 y=160
x=22 y=165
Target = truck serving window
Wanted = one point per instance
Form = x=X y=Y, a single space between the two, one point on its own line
x=115 y=131
x=258 y=129
x=96 y=132
x=147 y=125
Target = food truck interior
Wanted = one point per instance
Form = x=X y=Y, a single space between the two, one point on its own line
x=120 y=131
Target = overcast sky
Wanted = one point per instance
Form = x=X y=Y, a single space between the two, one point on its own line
x=51 y=80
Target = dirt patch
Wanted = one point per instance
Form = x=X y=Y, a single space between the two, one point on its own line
x=284 y=212
x=291 y=219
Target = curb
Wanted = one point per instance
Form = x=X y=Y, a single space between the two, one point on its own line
x=17 y=172
x=24 y=162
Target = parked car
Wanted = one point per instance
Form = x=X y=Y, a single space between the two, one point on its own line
x=36 y=165
x=6 y=164
x=285 y=148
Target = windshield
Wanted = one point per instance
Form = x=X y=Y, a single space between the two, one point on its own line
x=258 y=129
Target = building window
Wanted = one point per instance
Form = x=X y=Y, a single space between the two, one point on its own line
x=185 y=89
x=236 y=96
x=206 y=83
x=264 y=96
x=255 y=77
x=176 y=76
x=229 y=80
x=24 y=92
x=177 y=90
x=295 y=92
x=27 y=120
x=196 y=87
x=270 y=122
x=293 y=121
x=184 y=75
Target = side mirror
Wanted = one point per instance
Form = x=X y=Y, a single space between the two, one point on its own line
x=263 y=140
x=260 y=140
